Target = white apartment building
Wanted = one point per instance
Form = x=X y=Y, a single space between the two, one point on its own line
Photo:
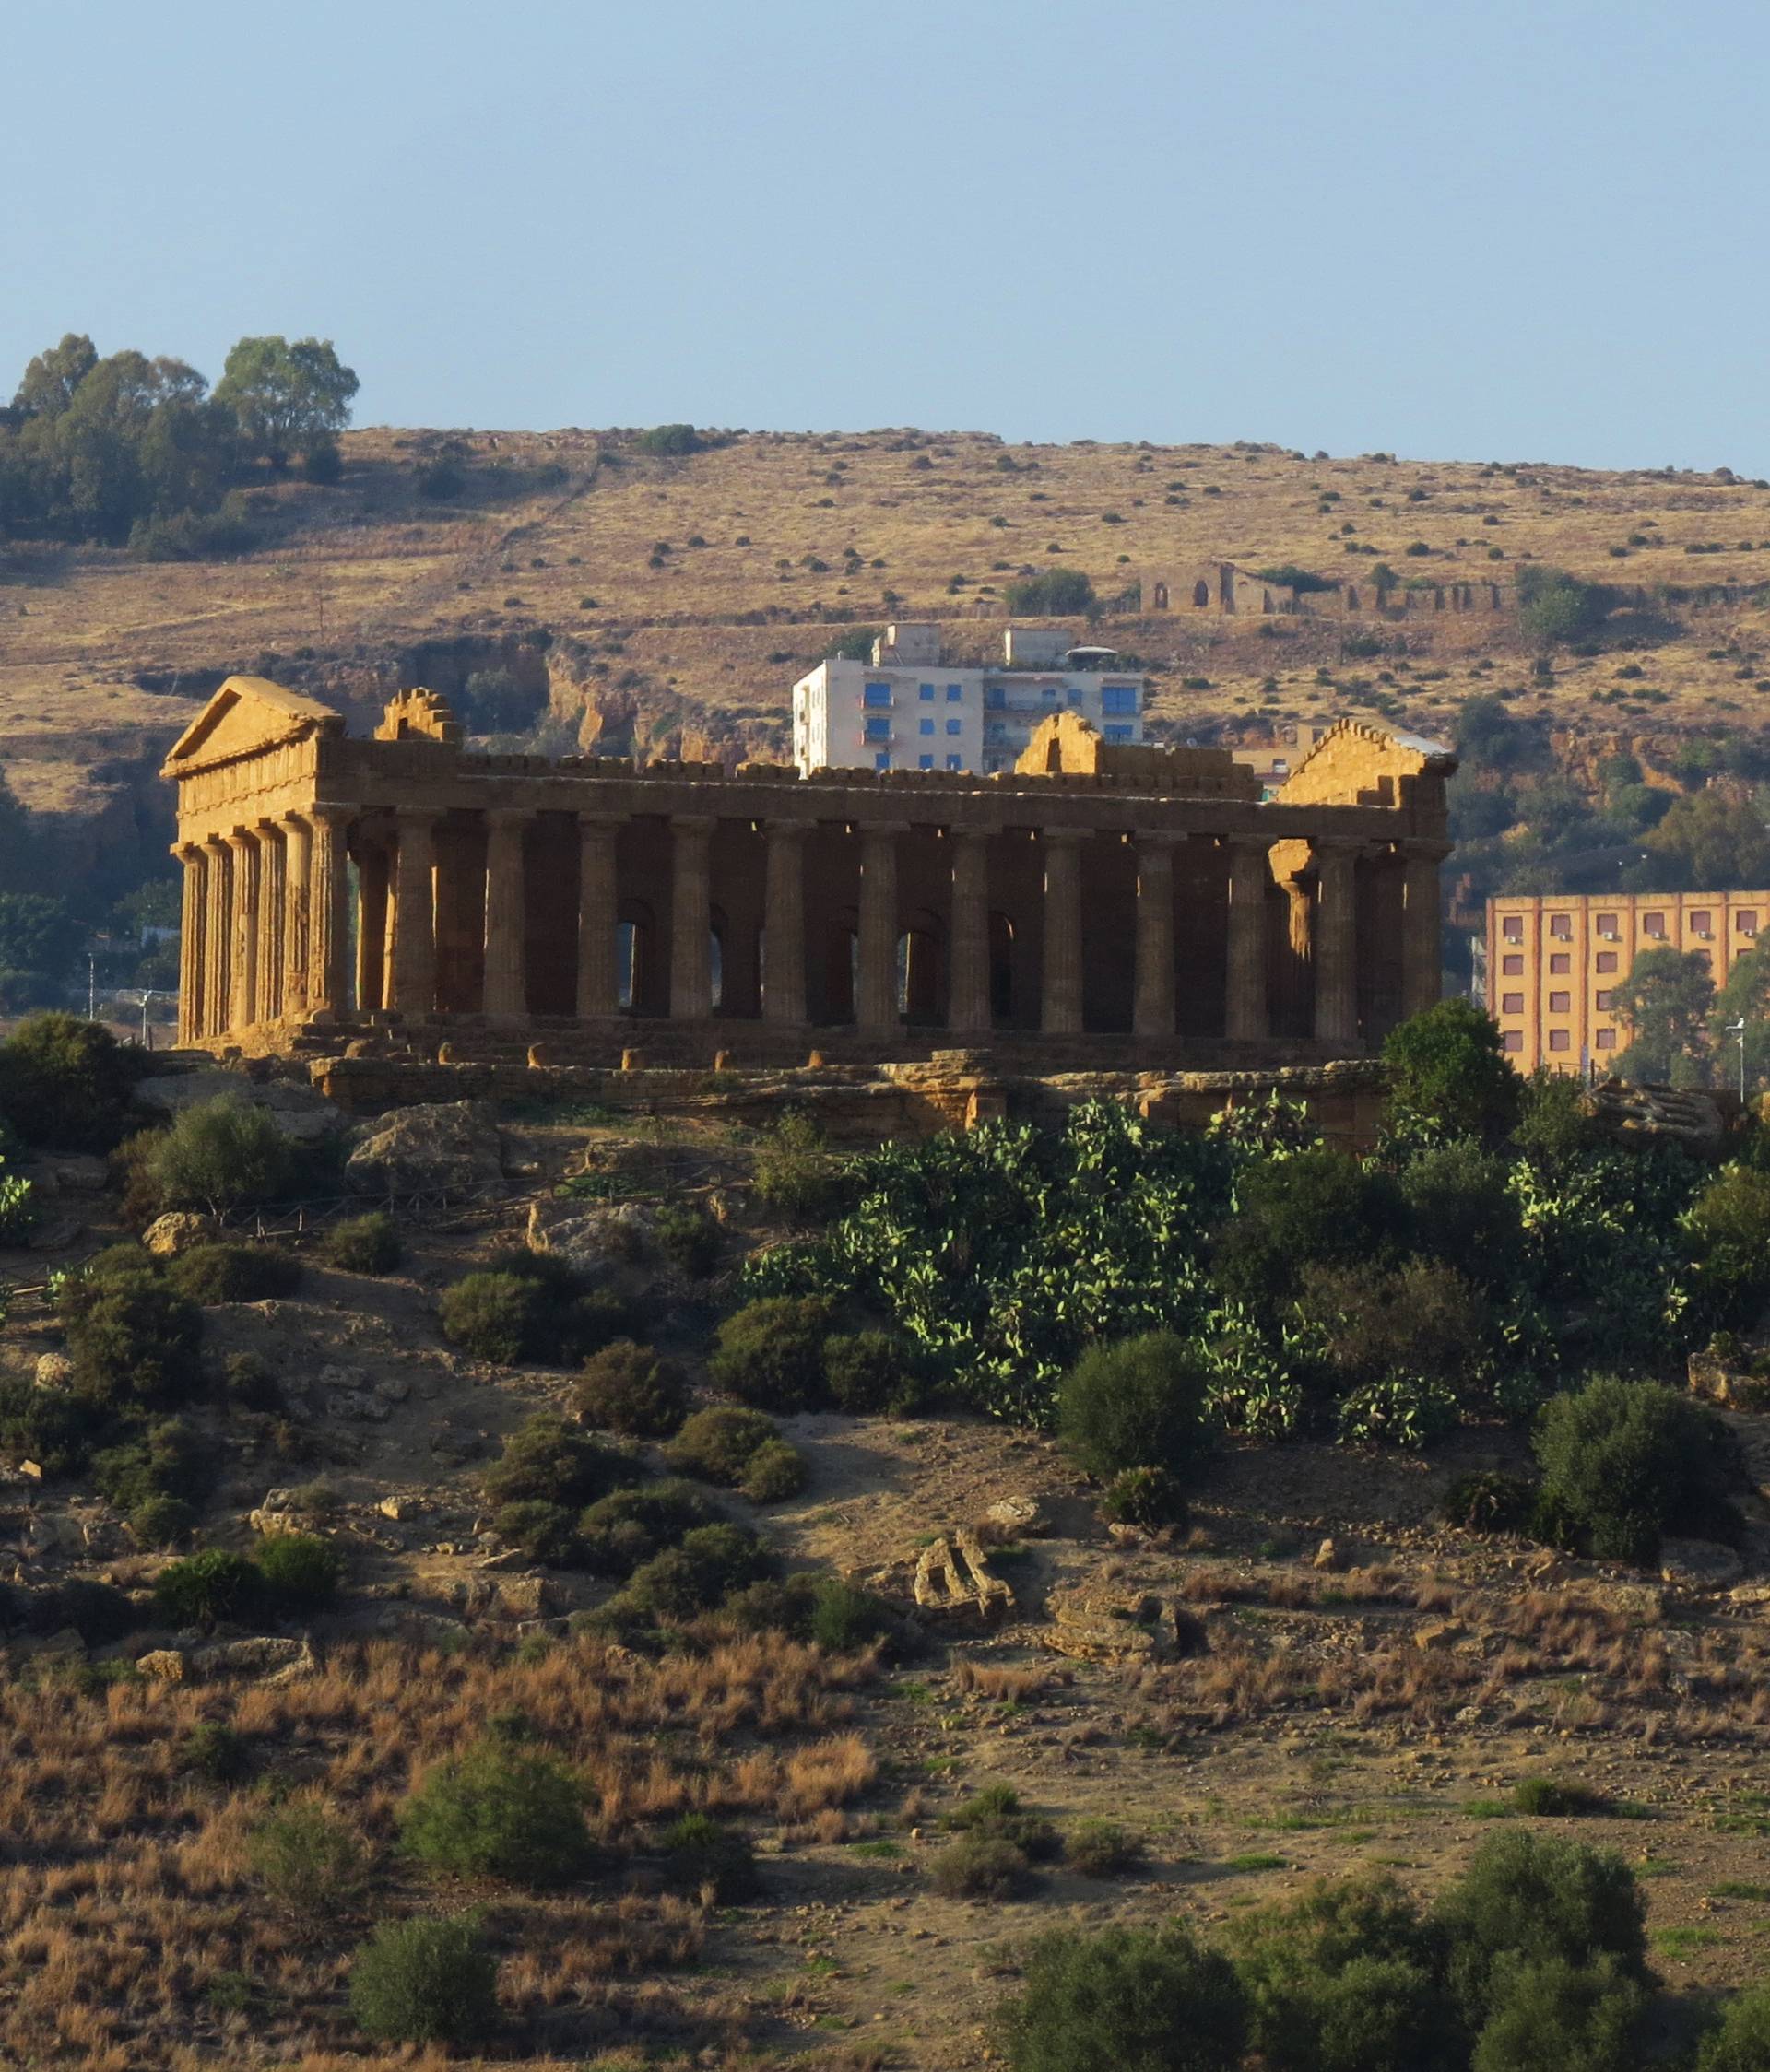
x=907 y=710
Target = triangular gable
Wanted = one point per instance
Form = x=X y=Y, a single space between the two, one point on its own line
x=1357 y=763
x=246 y=715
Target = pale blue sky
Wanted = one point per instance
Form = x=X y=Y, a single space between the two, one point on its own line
x=1528 y=230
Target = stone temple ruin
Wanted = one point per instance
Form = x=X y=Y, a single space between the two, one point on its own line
x=1097 y=907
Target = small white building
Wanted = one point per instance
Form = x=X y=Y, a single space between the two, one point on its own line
x=907 y=710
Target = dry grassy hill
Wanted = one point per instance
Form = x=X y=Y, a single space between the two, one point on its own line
x=663 y=604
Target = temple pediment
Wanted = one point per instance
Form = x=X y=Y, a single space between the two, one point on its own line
x=247 y=715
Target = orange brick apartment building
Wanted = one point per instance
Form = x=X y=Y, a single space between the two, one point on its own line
x=1554 y=961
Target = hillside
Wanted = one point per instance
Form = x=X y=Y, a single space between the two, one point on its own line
x=667 y=604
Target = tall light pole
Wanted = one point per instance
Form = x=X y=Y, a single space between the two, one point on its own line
x=1736 y=1031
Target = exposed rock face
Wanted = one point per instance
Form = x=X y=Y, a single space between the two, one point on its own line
x=1636 y=1114
x=453 y=1150
x=177 y=1232
x=297 y=1110
x=595 y=1240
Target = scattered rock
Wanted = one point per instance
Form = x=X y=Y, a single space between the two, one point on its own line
x=1699 y=1564
x=164 y=1665
x=1125 y=1535
x=1097 y=1622
x=595 y=1240
x=298 y=1111
x=1440 y=1634
x=54 y=1370
x=452 y=1148
x=254 y=1656
x=524 y=1596
x=400 y=1508
x=1328 y=1558
x=941 y=1586
x=177 y=1232
x=1020 y=1517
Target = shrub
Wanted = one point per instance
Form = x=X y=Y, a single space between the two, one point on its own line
x=1488 y=1502
x=1398 y=1410
x=45 y=1425
x=670 y=438
x=1461 y=1210
x=619 y=1532
x=554 y=1461
x=770 y=1353
x=1137 y=1403
x=216 y=1753
x=1553 y=2016
x=719 y=1444
x=132 y=1337
x=167 y=1458
x=981 y=1866
x=99 y=1612
x=1536 y=1898
x=1548 y=1798
x=697 y=1574
x=1126 y=2000
x=64 y=1083
x=302 y=1571
x=307 y=1857
x=794 y=1174
x=218 y=1155
x=250 y=1383
x=500 y=1810
x=1102 y=1849
x=688 y=1238
x=866 y=1372
x=232 y=1273
x=322 y=463
x=1145 y=1496
x=1729 y=1224
x=628 y=1388
x=1055 y=593
x=1319 y=1204
x=545 y=1532
x=699 y=1851
x=425 y=1981
x=1624 y=1462
x=996 y=1811
x=844 y=1617
x=1741 y=2041
x=528 y=1307
x=1449 y=1073
x=776 y=1471
x=161 y=1522
x=363 y=1244
x=205 y=1588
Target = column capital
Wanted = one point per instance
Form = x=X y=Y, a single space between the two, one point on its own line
x=324 y=813
x=1064 y=838
x=693 y=823
x=240 y=837
x=1418 y=849
x=969 y=833
x=778 y=829
x=417 y=816
x=1263 y=843
x=1157 y=844
x=508 y=815
x=186 y=852
x=600 y=823
x=870 y=826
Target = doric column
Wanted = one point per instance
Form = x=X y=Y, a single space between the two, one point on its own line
x=1250 y=872
x=1061 y=1005
x=298 y=869
x=784 y=926
x=374 y=899
x=968 y=978
x=218 y=982
x=876 y=994
x=329 y=916
x=691 y=919
x=1336 y=947
x=1153 y=1011
x=506 y=993
x=1421 y=950
x=273 y=901
x=193 y=915
x=597 y=917
x=243 y=946
x=412 y=958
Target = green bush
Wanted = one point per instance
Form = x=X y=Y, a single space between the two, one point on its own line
x=302 y=1571
x=1318 y=1206
x=621 y=1531
x=1534 y=1898
x=699 y=1851
x=132 y=1337
x=719 y=1444
x=1488 y=1501
x=500 y=1811
x=629 y=1388
x=867 y=1372
x=363 y=1244
x=205 y=1588
x=165 y=1458
x=1054 y=594
x=770 y=1353
x=1549 y=1798
x=425 y=1981
x=670 y=438
x=688 y=1238
x=996 y=1811
x=1398 y=1410
x=545 y=1532
x=794 y=1174
x=216 y=1753
x=161 y=1522
x=218 y=1155
x=982 y=1867
x=1740 y=2041
x=1126 y=2000
x=1101 y=1849
x=528 y=1308
x=1729 y=1226
x=697 y=1574
x=1151 y=1497
x=776 y=1471
x=64 y=1083
x=45 y=1426
x=1377 y=1322
x=549 y=1459
x=1553 y=2016
x=99 y=1612
x=1624 y=1462
x=307 y=1858
x=1449 y=1073
x=844 y=1618
x=232 y=1273
x=249 y=1382
x=1137 y=1403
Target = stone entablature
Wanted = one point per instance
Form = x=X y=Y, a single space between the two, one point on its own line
x=1097 y=890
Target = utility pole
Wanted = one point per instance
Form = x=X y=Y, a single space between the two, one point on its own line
x=1736 y=1031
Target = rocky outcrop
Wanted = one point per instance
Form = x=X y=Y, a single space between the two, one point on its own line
x=453 y=1149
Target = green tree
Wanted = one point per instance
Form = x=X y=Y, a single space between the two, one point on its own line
x=1555 y=607
x=1126 y=2000
x=1057 y=594
x=1624 y=1462
x=1448 y=1073
x=1717 y=840
x=1666 y=1000
x=49 y=382
x=1744 y=997
x=425 y=1981
x=287 y=397
x=499 y=1812
x=37 y=933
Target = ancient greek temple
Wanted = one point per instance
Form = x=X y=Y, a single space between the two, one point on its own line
x=1098 y=904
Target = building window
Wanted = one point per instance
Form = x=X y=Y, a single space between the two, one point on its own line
x=954 y=694
x=876 y=694
x=1049 y=692
x=1700 y=922
x=1559 y=1004
x=1072 y=698
x=1745 y=922
x=1607 y=924
x=1605 y=1039
x=926 y=693
x=1512 y=1004
x=925 y=762
x=955 y=762
x=882 y=761
x=1561 y=926
x=1707 y=956
x=1605 y=961
x=1118 y=699
x=1120 y=732
x=995 y=698
x=1654 y=924
x=879 y=729
x=1560 y=965
x=995 y=730
x=1559 y=1039
x=1512 y=1039
x=955 y=727
x=925 y=726
x=1512 y=967
x=1511 y=928
x=1602 y=1002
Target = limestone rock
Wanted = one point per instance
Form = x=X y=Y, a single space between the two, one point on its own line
x=1017 y=1517
x=594 y=1238
x=1328 y=1559
x=524 y=1596
x=1096 y=1622
x=164 y=1665
x=1699 y=1564
x=452 y=1148
x=177 y=1232
x=295 y=1108
x=1439 y=1633
x=254 y=1656
x=54 y=1370
x=942 y=1586
x=400 y=1508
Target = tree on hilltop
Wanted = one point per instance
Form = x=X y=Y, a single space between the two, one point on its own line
x=287 y=397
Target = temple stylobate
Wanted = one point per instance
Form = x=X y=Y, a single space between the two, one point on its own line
x=1098 y=903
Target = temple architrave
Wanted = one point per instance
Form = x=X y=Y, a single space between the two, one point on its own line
x=1098 y=906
